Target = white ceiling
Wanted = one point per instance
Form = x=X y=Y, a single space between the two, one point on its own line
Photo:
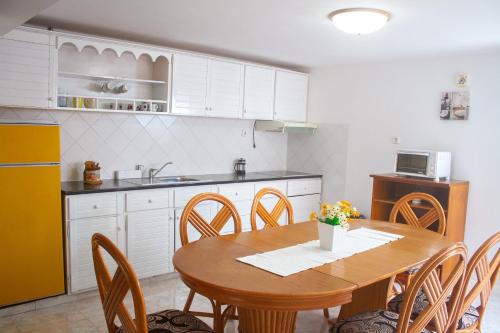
x=287 y=32
x=15 y=12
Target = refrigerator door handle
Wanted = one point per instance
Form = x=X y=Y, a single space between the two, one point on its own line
x=16 y=165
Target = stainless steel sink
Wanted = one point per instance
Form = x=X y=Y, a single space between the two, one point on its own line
x=179 y=179
x=164 y=180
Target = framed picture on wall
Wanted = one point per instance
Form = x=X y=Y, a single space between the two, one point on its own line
x=455 y=105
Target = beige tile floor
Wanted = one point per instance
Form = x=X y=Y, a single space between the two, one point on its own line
x=85 y=314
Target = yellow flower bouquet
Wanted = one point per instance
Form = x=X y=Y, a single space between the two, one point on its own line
x=333 y=223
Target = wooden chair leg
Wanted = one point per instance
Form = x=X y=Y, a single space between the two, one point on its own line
x=326 y=313
x=189 y=301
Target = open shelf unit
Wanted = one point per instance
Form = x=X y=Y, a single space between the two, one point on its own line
x=112 y=77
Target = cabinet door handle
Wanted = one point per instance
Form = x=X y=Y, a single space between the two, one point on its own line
x=236 y=194
x=96 y=206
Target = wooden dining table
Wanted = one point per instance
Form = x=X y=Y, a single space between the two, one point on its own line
x=269 y=303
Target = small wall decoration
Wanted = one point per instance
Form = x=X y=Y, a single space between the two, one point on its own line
x=455 y=105
x=462 y=80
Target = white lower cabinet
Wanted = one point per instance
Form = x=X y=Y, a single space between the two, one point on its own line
x=81 y=266
x=144 y=224
x=303 y=205
x=150 y=235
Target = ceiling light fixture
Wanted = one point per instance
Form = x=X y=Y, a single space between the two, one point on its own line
x=359 y=21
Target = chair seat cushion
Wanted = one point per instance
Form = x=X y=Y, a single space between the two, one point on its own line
x=470 y=317
x=379 y=321
x=174 y=321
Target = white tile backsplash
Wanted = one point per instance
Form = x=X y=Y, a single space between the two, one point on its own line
x=324 y=152
x=195 y=145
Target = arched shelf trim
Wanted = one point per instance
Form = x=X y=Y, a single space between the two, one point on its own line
x=118 y=48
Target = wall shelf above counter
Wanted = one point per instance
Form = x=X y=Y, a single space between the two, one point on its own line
x=64 y=68
x=106 y=77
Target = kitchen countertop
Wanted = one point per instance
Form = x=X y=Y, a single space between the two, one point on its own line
x=111 y=185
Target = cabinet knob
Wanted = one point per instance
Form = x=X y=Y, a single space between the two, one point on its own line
x=96 y=206
x=170 y=218
x=210 y=108
x=51 y=99
x=150 y=201
x=206 y=108
x=236 y=194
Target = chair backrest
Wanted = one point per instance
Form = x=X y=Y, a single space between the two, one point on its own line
x=270 y=219
x=113 y=289
x=206 y=229
x=443 y=296
x=434 y=213
x=485 y=273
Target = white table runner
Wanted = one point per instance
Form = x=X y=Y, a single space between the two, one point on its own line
x=297 y=258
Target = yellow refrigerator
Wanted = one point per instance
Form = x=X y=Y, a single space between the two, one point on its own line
x=31 y=241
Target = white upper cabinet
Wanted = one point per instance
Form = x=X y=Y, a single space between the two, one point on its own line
x=225 y=97
x=189 y=84
x=206 y=87
x=291 y=96
x=259 y=93
x=25 y=68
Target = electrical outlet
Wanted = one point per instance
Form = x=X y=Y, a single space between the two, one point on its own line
x=396 y=140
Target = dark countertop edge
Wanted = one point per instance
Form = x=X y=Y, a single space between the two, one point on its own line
x=122 y=185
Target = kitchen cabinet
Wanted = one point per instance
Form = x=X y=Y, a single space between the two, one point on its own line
x=207 y=87
x=60 y=70
x=303 y=206
x=140 y=223
x=291 y=96
x=305 y=196
x=189 y=84
x=225 y=96
x=144 y=223
x=150 y=235
x=25 y=68
x=81 y=266
x=259 y=93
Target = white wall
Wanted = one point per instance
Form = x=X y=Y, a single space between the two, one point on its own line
x=195 y=145
x=324 y=152
x=379 y=101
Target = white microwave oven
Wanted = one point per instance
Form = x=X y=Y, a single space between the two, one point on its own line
x=423 y=163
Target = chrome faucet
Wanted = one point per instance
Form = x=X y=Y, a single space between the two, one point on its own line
x=153 y=172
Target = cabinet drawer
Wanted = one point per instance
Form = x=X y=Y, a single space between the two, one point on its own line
x=280 y=185
x=304 y=186
x=237 y=192
x=145 y=200
x=184 y=194
x=91 y=205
